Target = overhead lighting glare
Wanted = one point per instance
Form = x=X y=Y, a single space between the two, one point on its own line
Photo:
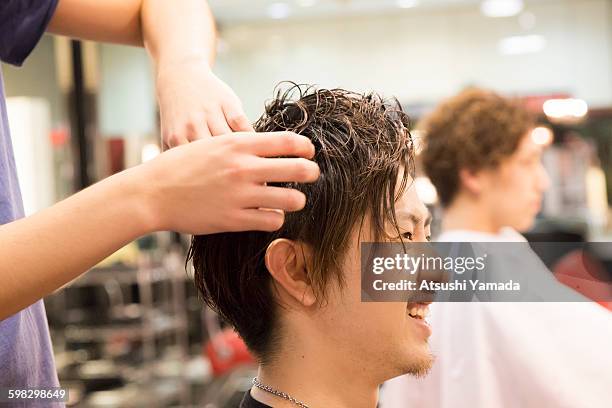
x=565 y=108
x=406 y=4
x=501 y=8
x=542 y=136
x=306 y=3
x=149 y=152
x=278 y=10
x=521 y=44
x=426 y=190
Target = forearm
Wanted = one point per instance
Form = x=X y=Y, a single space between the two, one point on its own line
x=171 y=29
x=180 y=38
x=175 y=31
x=205 y=187
x=41 y=253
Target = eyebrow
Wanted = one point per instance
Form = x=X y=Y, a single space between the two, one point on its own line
x=415 y=218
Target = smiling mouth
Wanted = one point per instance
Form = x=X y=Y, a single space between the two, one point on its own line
x=418 y=310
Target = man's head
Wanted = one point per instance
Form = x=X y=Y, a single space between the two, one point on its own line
x=299 y=287
x=479 y=147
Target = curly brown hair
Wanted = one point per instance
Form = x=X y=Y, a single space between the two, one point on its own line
x=473 y=130
x=362 y=145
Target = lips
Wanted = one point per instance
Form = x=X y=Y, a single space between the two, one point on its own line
x=417 y=313
x=418 y=310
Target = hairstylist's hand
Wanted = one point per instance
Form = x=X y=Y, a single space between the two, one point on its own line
x=217 y=184
x=195 y=104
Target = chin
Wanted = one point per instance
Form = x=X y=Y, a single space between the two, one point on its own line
x=417 y=363
x=424 y=366
x=419 y=367
x=524 y=226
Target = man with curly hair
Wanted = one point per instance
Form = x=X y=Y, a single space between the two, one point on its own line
x=294 y=295
x=486 y=168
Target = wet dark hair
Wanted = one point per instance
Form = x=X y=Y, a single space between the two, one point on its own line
x=362 y=145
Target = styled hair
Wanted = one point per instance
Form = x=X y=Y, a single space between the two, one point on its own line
x=362 y=146
x=474 y=130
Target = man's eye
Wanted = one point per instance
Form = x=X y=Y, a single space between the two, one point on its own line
x=407 y=235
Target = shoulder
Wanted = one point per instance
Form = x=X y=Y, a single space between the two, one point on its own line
x=22 y=24
x=249 y=402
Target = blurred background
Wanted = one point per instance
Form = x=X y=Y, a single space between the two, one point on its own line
x=80 y=112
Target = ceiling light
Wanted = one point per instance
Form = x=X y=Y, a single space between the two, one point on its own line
x=306 y=3
x=521 y=44
x=542 y=136
x=565 y=108
x=407 y=3
x=278 y=10
x=501 y=8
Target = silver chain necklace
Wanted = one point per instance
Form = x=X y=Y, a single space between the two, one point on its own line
x=278 y=393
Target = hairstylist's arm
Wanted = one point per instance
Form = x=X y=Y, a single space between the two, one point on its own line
x=180 y=37
x=217 y=185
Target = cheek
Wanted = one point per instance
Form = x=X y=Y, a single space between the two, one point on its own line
x=382 y=320
x=349 y=317
x=354 y=321
x=512 y=183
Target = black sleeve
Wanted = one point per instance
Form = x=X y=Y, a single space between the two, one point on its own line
x=22 y=24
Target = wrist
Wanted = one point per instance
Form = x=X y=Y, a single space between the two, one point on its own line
x=169 y=62
x=136 y=191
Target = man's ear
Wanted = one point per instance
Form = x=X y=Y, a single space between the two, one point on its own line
x=473 y=181
x=288 y=262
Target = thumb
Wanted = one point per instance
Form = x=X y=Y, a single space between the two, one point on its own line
x=236 y=118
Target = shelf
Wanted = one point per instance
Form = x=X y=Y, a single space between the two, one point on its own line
x=127 y=331
x=127 y=276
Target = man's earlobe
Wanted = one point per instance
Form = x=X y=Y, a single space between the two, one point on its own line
x=288 y=262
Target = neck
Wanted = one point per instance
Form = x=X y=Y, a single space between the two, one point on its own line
x=471 y=215
x=317 y=379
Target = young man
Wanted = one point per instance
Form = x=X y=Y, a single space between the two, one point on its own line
x=211 y=185
x=486 y=168
x=294 y=295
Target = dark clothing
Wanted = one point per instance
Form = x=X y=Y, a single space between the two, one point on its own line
x=22 y=23
x=250 y=402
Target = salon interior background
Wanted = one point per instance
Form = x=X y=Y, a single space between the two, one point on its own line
x=118 y=331
x=418 y=50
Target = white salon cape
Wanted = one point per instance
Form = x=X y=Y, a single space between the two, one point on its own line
x=511 y=355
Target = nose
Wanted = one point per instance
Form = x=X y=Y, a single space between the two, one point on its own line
x=420 y=234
